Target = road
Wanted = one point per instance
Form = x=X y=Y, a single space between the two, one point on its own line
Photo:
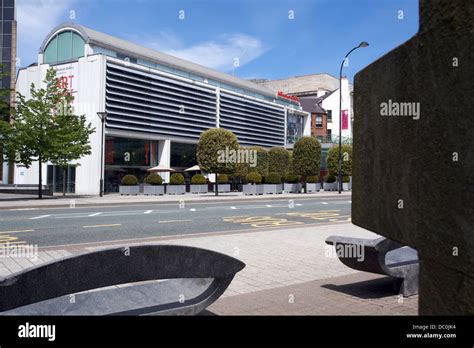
x=70 y=226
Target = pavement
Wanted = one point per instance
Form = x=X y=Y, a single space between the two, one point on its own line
x=288 y=271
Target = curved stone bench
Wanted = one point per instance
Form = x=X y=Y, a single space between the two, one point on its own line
x=167 y=279
x=383 y=256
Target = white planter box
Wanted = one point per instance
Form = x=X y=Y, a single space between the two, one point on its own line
x=346 y=186
x=176 y=189
x=330 y=186
x=272 y=188
x=252 y=189
x=199 y=188
x=153 y=190
x=222 y=188
x=129 y=190
x=292 y=188
x=313 y=187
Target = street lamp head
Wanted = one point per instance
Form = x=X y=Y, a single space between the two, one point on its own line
x=363 y=44
x=102 y=115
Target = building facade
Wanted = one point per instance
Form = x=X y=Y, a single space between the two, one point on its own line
x=8 y=34
x=319 y=96
x=157 y=106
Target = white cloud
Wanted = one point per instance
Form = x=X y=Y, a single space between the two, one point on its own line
x=35 y=19
x=217 y=54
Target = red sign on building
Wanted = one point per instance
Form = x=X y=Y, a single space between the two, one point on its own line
x=345 y=119
x=289 y=97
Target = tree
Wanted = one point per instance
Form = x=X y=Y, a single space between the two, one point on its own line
x=44 y=128
x=333 y=160
x=70 y=137
x=261 y=165
x=278 y=161
x=217 y=151
x=306 y=157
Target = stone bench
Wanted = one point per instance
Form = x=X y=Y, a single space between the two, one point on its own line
x=139 y=280
x=382 y=256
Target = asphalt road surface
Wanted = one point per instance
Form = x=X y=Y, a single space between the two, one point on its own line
x=68 y=226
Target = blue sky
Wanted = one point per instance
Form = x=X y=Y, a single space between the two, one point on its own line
x=259 y=33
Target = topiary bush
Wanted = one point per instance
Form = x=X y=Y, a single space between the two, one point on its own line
x=306 y=156
x=330 y=178
x=222 y=179
x=198 y=179
x=154 y=179
x=346 y=178
x=261 y=166
x=312 y=179
x=292 y=178
x=333 y=160
x=273 y=178
x=212 y=144
x=129 y=180
x=176 y=179
x=278 y=160
x=254 y=178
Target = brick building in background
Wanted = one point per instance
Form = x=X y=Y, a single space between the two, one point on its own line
x=319 y=95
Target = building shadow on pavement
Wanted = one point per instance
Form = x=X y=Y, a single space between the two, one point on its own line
x=367 y=289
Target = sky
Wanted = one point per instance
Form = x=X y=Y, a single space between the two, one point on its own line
x=271 y=39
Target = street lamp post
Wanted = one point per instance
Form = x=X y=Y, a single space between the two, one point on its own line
x=103 y=118
x=339 y=175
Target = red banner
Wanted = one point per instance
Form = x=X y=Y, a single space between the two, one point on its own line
x=345 y=119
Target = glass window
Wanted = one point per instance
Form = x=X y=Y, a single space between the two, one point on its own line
x=8 y=14
x=130 y=152
x=7 y=27
x=319 y=121
x=64 y=46
x=51 y=51
x=329 y=115
x=8 y=3
x=6 y=41
x=77 y=46
x=183 y=155
x=294 y=129
x=7 y=54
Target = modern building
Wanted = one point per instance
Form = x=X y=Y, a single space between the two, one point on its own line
x=319 y=96
x=8 y=61
x=157 y=106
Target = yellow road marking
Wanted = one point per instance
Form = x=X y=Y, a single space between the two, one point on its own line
x=261 y=221
x=16 y=231
x=166 y=221
x=1 y=243
x=94 y=226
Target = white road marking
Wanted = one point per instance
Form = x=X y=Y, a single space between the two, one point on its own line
x=20 y=209
x=168 y=221
x=298 y=205
x=39 y=217
x=324 y=203
x=148 y=212
x=233 y=208
x=95 y=214
x=268 y=206
x=110 y=225
x=349 y=201
x=192 y=209
x=17 y=231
